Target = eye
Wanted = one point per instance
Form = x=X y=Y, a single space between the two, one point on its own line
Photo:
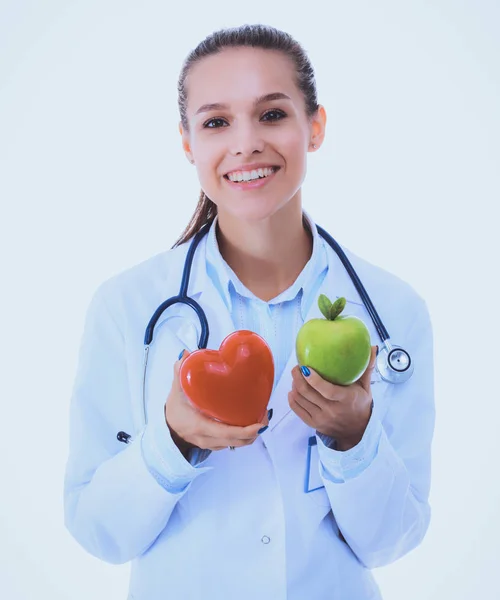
x=206 y=125
x=280 y=115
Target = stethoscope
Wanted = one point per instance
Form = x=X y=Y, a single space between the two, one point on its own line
x=393 y=362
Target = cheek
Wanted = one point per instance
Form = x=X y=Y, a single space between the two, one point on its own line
x=293 y=143
x=294 y=151
x=207 y=168
x=208 y=152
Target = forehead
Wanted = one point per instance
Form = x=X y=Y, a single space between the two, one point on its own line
x=236 y=76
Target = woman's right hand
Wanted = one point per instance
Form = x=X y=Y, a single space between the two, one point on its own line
x=190 y=428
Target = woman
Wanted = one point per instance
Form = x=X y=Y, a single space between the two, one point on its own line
x=196 y=519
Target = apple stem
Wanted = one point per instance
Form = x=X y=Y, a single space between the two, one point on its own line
x=331 y=311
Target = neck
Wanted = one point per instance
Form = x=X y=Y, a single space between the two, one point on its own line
x=266 y=255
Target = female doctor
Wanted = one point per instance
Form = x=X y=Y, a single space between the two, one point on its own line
x=335 y=480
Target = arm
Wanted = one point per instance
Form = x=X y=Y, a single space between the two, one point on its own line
x=116 y=501
x=379 y=489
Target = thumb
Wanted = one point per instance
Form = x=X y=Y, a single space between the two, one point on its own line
x=366 y=377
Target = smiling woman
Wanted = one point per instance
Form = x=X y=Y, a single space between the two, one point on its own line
x=338 y=481
x=243 y=93
x=246 y=107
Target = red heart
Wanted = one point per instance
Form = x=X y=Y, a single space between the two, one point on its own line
x=232 y=384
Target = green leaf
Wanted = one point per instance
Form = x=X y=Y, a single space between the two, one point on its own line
x=325 y=306
x=337 y=307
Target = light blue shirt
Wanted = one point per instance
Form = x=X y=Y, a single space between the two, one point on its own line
x=275 y=321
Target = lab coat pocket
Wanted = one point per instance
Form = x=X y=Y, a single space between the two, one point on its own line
x=314 y=487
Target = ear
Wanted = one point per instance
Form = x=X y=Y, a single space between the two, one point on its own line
x=318 y=126
x=186 y=146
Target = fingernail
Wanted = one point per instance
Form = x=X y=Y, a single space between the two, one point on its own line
x=262 y=430
x=269 y=414
x=180 y=355
x=305 y=371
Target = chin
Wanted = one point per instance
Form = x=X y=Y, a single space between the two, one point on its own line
x=254 y=210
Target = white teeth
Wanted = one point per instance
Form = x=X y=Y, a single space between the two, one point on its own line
x=250 y=175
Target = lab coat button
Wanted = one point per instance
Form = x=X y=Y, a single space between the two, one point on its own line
x=265 y=540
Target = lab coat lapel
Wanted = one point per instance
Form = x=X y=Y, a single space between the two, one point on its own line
x=179 y=326
x=202 y=290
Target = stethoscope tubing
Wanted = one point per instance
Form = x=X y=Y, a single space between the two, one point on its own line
x=393 y=352
x=183 y=296
x=377 y=321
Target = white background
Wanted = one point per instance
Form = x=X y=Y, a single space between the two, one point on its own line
x=93 y=180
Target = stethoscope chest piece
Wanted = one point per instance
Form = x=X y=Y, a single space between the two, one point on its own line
x=394 y=365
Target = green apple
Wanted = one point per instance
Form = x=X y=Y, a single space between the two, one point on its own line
x=337 y=347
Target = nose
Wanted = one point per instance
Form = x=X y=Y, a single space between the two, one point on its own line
x=246 y=139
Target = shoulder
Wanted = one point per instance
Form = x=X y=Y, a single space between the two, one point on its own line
x=396 y=300
x=381 y=280
x=143 y=284
x=379 y=283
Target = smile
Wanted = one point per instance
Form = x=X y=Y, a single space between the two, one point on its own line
x=243 y=180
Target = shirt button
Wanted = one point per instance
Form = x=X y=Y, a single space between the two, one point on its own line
x=265 y=540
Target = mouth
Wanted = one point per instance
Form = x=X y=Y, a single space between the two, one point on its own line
x=253 y=183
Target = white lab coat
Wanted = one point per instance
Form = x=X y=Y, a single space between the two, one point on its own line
x=245 y=528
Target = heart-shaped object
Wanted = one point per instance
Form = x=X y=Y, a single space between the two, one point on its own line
x=233 y=384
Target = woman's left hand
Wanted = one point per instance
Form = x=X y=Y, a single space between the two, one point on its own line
x=339 y=411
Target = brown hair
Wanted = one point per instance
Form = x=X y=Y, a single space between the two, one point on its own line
x=257 y=36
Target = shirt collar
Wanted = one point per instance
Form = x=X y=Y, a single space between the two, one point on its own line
x=224 y=277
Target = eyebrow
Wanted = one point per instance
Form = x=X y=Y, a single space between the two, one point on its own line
x=257 y=101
